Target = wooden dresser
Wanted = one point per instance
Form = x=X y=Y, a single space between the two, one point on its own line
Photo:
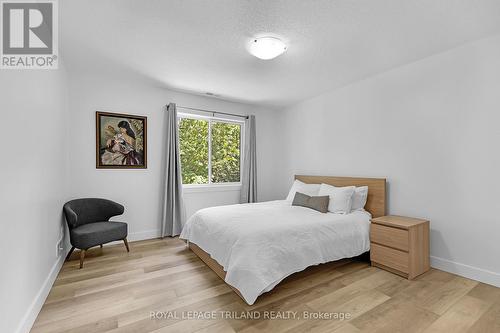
x=400 y=245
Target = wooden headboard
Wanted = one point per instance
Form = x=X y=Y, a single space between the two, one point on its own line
x=376 y=189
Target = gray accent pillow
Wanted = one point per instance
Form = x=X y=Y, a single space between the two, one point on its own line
x=319 y=203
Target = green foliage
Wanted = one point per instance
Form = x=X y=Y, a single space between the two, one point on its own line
x=226 y=141
x=225 y=152
x=193 y=142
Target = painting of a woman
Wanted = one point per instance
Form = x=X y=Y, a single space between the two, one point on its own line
x=121 y=140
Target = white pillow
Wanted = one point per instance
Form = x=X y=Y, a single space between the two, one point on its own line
x=359 y=198
x=340 y=198
x=298 y=186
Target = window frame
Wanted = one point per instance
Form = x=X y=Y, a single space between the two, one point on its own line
x=210 y=185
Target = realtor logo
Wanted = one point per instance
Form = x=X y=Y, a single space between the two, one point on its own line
x=29 y=35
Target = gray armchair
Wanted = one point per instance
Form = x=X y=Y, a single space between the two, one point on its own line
x=89 y=225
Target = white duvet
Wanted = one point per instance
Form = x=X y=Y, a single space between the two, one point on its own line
x=260 y=244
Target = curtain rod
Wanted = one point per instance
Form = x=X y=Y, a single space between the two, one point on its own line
x=213 y=112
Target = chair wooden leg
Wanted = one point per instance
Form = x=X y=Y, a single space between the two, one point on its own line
x=126 y=244
x=82 y=257
x=70 y=252
x=100 y=246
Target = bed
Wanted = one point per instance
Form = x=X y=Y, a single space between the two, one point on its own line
x=253 y=247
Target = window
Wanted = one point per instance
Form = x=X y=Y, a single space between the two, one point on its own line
x=210 y=150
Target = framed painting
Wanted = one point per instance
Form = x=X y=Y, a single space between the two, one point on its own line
x=121 y=141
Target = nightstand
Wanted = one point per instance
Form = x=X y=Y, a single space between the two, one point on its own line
x=400 y=245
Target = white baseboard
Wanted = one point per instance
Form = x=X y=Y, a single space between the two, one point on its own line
x=142 y=235
x=467 y=271
x=35 y=307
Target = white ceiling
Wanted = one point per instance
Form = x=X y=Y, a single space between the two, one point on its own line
x=200 y=45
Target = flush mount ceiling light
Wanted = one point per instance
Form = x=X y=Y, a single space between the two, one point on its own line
x=267 y=47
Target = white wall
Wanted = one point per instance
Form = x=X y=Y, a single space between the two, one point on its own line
x=33 y=189
x=432 y=129
x=141 y=190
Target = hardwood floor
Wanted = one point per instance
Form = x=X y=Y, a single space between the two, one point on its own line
x=117 y=291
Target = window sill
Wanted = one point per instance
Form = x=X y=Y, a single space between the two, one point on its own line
x=211 y=188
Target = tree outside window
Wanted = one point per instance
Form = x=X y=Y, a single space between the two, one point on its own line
x=210 y=150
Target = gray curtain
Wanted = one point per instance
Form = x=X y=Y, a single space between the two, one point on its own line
x=249 y=179
x=173 y=206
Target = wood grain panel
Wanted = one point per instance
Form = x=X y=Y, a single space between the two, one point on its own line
x=404 y=233
x=375 y=203
x=419 y=249
x=396 y=221
x=392 y=237
x=389 y=257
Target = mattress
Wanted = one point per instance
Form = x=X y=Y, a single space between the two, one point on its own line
x=260 y=244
